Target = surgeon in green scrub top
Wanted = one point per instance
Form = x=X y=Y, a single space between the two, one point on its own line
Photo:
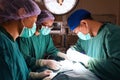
x=35 y=48
x=100 y=42
x=14 y=18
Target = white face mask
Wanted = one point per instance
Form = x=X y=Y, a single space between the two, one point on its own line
x=83 y=36
x=45 y=30
x=26 y=32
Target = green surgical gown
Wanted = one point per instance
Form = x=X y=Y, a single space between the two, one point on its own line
x=105 y=51
x=36 y=47
x=12 y=63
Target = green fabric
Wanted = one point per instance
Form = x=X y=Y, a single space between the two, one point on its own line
x=105 y=51
x=12 y=63
x=36 y=47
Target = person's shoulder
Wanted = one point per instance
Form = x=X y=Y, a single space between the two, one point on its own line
x=2 y=36
x=4 y=40
x=112 y=27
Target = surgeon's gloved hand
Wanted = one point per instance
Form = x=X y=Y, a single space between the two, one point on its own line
x=51 y=76
x=52 y=64
x=76 y=56
x=62 y=55
x=38 y=75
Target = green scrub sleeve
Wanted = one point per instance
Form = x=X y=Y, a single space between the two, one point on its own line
x=78 y=47
x=109 y=68
x=51 y=49
x=25 y=50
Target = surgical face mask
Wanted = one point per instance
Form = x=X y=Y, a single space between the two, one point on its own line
x=45 y=30
x=28 y=32
x=83 y=36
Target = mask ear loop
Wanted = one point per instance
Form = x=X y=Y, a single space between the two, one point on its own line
x=79 y=28
x=22 y=23
x=22 y=31
x=21 y=27
x=88 y=29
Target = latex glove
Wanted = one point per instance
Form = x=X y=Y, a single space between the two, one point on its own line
x=74 y=55
x=38 y=75
x=51 y=76
x=62 y=55
x=52 y=64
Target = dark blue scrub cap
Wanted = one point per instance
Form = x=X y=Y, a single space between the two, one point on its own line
x=75 y=18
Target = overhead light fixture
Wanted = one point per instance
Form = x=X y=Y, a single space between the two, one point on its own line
x=60 y=6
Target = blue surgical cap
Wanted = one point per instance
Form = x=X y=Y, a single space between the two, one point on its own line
x=44 y=16
x=9 y=9
x=75 y=18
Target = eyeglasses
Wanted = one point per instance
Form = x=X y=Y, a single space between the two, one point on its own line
x=51 y=27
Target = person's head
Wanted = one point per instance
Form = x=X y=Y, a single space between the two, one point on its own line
x=45 y=21
x=23 y=12
x=78 y=23
x=45 y=18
